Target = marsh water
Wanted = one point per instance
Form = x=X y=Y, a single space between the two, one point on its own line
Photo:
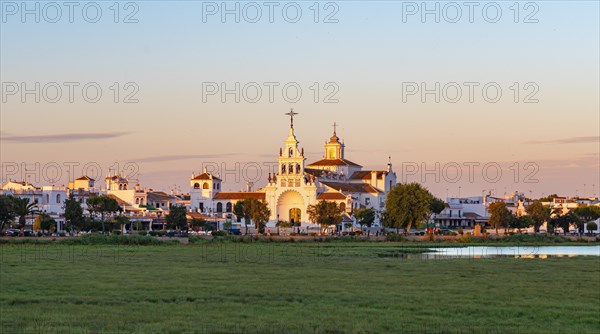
x=511 y=251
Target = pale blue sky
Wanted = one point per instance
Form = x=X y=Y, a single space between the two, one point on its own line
x=368 y=54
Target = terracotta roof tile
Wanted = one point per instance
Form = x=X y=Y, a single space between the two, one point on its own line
x=333 y=196
x=352 y=187
x=206 y=176
x=240 y=195
x=334 y=162
x=366 y=174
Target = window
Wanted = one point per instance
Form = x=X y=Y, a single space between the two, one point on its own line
x=297 y=168
x=205 y=185
x=282 y=169
x=283 y=183
x=291 y=168
x=57 y=198
x=228 y=207
x=196 y=185
x=367 y=201
x=219 y=207
x=343 y=207
x=291 y=152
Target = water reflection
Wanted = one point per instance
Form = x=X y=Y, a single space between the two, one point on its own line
x=521 y=252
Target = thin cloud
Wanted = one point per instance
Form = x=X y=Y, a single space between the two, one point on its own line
x=571 y=140
x=162 y=158
x=61 y=138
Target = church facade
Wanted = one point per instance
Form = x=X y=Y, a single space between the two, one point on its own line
x=297 y=185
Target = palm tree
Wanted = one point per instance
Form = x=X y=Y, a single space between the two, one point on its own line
x=7 y=212
x=22 y=209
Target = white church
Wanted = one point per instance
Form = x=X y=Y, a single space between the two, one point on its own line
x=298 y=185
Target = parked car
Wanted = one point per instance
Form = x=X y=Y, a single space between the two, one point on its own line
x=13 y=232
x=417 y=232
x=447 y=231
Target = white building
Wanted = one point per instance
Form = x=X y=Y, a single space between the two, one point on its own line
x=296 y=185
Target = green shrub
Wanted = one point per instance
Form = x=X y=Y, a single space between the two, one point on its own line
x=142 y=232
x=114 y=239
x=161 y=233
x=533 y=238
x=394 y=237
x=62 y=234
x=220 y=233
x=466 y=238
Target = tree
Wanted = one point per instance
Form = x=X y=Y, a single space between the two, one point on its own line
x=364 y=216
x=73 y=213
x=500 y=216
x=242 y=211
x=259 y=213
x=89 y=224
x=118 y=222
x=47 y=223
x=102 y=204
x=325 y=213
x=521 y=222
x=22 y=209
x=436 y=205
x=588 y=212
x=539 y=213
x=283 y=224
x=196 y=224
x=7 y=211
x=407 y=205
x=592 y=226
x=548 y=198
x=251 y=209
x=565 y=221
x=177 y=218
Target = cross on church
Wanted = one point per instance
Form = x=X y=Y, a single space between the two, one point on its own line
x=335 y=127
x=292 y=114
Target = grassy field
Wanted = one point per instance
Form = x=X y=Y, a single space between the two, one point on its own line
x=290 y=288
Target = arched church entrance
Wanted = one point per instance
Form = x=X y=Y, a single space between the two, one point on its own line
x=295 y=215
x=290 y=205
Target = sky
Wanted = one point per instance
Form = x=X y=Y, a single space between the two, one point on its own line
x=507 y=93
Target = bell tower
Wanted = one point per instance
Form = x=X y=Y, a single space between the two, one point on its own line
x=334 y=149
x=291 y=159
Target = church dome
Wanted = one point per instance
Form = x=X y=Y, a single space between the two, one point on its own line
x=334 y=138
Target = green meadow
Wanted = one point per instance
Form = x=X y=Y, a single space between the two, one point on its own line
x=290 y=288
